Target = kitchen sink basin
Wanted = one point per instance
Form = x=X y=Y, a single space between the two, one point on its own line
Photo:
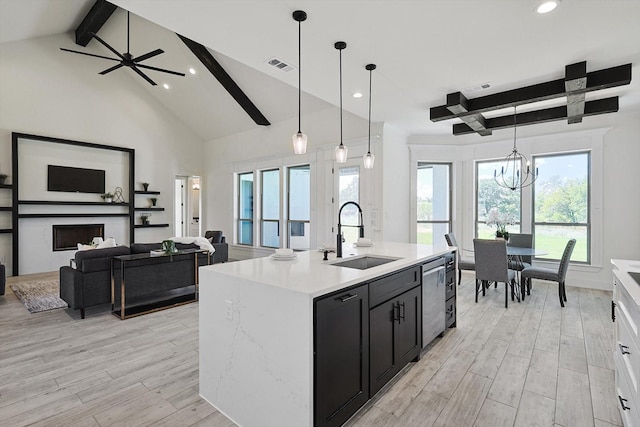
x=364 y=262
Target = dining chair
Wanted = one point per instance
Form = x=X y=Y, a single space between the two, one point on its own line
x=492 y=265
x=463 y=263
x=520 y=241
x=551 y=274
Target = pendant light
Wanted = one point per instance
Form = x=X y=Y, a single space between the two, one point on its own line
x=341 y=150
x=369 y=158
x=509 y=175
x=299 y=138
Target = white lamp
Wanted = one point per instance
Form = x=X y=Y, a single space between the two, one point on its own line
x=341 y=150
x=369 y=158
x=299 y=138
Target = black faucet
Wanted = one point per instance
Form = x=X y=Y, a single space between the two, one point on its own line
x=361 y=227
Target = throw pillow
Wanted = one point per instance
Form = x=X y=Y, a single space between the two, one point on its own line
x=82 y=247
x=109 y=243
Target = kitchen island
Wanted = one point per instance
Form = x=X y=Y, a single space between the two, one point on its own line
x=256 y=326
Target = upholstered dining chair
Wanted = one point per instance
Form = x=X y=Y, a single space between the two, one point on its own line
x=492 y=265
x=463 y=263
x=551 y=274
x=520 y=241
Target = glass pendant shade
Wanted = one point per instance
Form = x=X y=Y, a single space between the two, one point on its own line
x=368 y=160
x=299 y=143
x=341 y=153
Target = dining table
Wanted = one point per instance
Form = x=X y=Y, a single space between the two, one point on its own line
x=516 y=254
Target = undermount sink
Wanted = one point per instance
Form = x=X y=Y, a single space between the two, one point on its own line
x=364 y=262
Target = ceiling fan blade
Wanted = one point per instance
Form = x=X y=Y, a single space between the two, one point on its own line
x=143 y=75
x=89 y=54
x=108 y=70
x=105 y=44
x=148 y=55
x=159 y=69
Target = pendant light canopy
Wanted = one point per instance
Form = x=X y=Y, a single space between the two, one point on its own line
x=509 y=175
x=299 y=138
x=341 y=150
x=369 y=158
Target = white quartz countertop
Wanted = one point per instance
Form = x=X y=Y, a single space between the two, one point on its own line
x=309 y=274
x=621 y=269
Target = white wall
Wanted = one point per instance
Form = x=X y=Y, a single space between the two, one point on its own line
x=44 y=91
x=395 y=186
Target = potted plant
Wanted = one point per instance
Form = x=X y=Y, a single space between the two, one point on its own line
x=145 y=218
x=153 y=201
x=107 y=197
x=145 y=186
x=3 y=177
x=501 y=222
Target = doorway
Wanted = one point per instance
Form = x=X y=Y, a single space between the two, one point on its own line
x=187 y=206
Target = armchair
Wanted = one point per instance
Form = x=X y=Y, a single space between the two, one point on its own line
x=219 y=242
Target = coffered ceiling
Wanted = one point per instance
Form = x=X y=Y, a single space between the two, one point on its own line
x=424 y=50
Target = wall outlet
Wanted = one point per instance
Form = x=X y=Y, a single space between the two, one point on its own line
x=228 y=309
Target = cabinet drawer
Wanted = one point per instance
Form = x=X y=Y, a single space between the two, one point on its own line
x=628 y=307
x=450 y=285
x=628 y=412
x=627 y=349
x=388 y=287
x=450 y=312
x=450 y=262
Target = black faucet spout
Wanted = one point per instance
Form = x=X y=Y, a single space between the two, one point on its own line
x=339 y=237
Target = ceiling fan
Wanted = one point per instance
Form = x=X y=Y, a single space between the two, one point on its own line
x=126 y=59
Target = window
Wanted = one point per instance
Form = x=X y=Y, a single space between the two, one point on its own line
x=299 y=206
x=349 y=191
x=489 y=195
x=270 y=208
x=245 y=208
x=433 y=201
x=561 y=204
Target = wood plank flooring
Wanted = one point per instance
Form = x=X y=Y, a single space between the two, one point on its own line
x=532 y=364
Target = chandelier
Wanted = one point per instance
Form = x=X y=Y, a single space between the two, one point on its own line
x=510 y=175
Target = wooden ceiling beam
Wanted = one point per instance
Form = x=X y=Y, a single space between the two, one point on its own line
x=99 y=13
x=591 y=108
x=457 y=104
x=214 y=67
x=596 y=80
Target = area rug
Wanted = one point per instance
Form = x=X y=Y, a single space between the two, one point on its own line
x=39 y=296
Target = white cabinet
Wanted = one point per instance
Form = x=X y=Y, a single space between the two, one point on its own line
x=626 y=309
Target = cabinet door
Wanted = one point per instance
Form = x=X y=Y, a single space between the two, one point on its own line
x=341 y=360
x=395 y=333
x=409 y=328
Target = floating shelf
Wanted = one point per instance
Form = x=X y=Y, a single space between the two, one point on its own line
x=6 y=208
x=147 y=192
x=6 y=185
x=68 y=202
x=54 y=215
x=5 y=230
x=153 y=208
x=150 y=225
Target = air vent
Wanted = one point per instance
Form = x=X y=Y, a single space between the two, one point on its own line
x=475 y=89
x=280 y=65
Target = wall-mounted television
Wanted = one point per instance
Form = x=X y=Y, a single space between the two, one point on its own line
x=75 y=180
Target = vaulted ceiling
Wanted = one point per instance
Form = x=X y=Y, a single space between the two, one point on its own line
x=424 y=50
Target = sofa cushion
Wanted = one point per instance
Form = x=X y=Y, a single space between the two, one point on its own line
x=98 y=259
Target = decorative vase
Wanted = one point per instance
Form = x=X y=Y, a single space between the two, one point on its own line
x=108 y=199
x=502 y=235
x=145 y=186
x=145 y=221
x=2 y=179
x=153 y=202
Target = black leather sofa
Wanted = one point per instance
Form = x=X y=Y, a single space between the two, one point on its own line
x=89 y=282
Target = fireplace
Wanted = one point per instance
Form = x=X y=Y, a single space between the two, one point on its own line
x=67 y=237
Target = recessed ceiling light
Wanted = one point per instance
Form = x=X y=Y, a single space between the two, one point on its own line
x=547 y=6
x=166 y=86
x=192 y=71
x=357 y=95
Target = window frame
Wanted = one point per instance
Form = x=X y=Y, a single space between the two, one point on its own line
x=270 y=220
x=240 y=219
x=449 y=222
x=289 y=221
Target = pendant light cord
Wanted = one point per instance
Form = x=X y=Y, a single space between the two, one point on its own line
x=340 y=96
x=299 y=75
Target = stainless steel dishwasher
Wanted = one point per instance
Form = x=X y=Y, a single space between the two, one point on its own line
x=433 y=299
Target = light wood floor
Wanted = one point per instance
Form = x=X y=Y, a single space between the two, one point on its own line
x=532 y=364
